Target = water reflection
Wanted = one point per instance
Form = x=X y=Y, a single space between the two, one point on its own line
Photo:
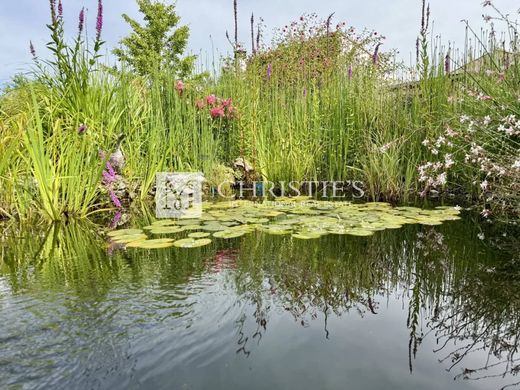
x=86 y=314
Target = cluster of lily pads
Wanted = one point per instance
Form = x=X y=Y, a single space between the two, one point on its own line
x=302 y=219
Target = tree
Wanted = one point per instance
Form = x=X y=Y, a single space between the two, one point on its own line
x=159 y=44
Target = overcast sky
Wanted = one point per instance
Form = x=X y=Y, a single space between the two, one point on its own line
x=24 y=20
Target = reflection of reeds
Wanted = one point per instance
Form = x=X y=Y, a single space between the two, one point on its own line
x=448 y=286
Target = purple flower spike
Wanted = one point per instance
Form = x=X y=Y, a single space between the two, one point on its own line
x=304 y=92
x=115 y=200
x=116 y=219
x=110 y=169
x=53 y=10
x=81 y=20
x=82 y=129
x=60 y=9
x=375 y=57
x=99 y=22
x=269 y=70
x=31 y=48
x=350 y=72
x=447 y=64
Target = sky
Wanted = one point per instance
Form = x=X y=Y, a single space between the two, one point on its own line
x=24 y=20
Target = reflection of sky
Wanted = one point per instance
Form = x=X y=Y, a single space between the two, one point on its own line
x=361 y=353
x=204 y=336
x=24 y=20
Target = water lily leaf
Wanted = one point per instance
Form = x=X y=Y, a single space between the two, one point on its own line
x=192 y=243
x=213 y=227
x=129 y=238
x=188 y=222
x=228 y=234
x=124 y=232
x=167 y=230
x=360 y=232
x=164 y=222
x=199 y=235
x=307 y=236
x=152 y=244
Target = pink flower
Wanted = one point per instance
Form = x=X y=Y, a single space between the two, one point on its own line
x=179 y=86
x=227 y=103
x=230 y=112
x=217 y=112
x=200 y=104
x=211 y=100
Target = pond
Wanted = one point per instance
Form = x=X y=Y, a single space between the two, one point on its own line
x=420 y=307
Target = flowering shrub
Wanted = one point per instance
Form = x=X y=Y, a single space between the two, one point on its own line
x=487 y=152
x=218 y=108
x=309 y=48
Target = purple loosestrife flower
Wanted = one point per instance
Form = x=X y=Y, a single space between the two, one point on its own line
x=447 y=64
x=81 y=20
x=53 y=10
x=60 y=9
x=115 y=200
x=350 y=72
x=375 y=56
x=116 y=220
x=269 y=70
x=99 y=22
x=82 y=129
x=31 y=48
x=109 y=175
x=110 y=169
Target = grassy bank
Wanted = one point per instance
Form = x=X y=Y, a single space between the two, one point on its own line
x=321 y=103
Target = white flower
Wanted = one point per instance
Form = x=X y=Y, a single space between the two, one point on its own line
x=384 y=148
x=464 y=119
x=516 y=164
x=458 y=208
x=487 y=120
x=426 y=142
x=441 y=179
x=485 y=213
x=450 y=132
x=448 y=161
x=484 y=185
x=481 y=236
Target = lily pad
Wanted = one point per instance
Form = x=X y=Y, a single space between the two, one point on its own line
x=167 y=230
x=192 y=243
x=152 y=244
x=124 y=232
x=129 y=238
x=360 y=232
x=229 y=234
x=306 y=236
x=199 y=235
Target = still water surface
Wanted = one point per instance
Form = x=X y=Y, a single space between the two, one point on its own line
x=417 y=308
